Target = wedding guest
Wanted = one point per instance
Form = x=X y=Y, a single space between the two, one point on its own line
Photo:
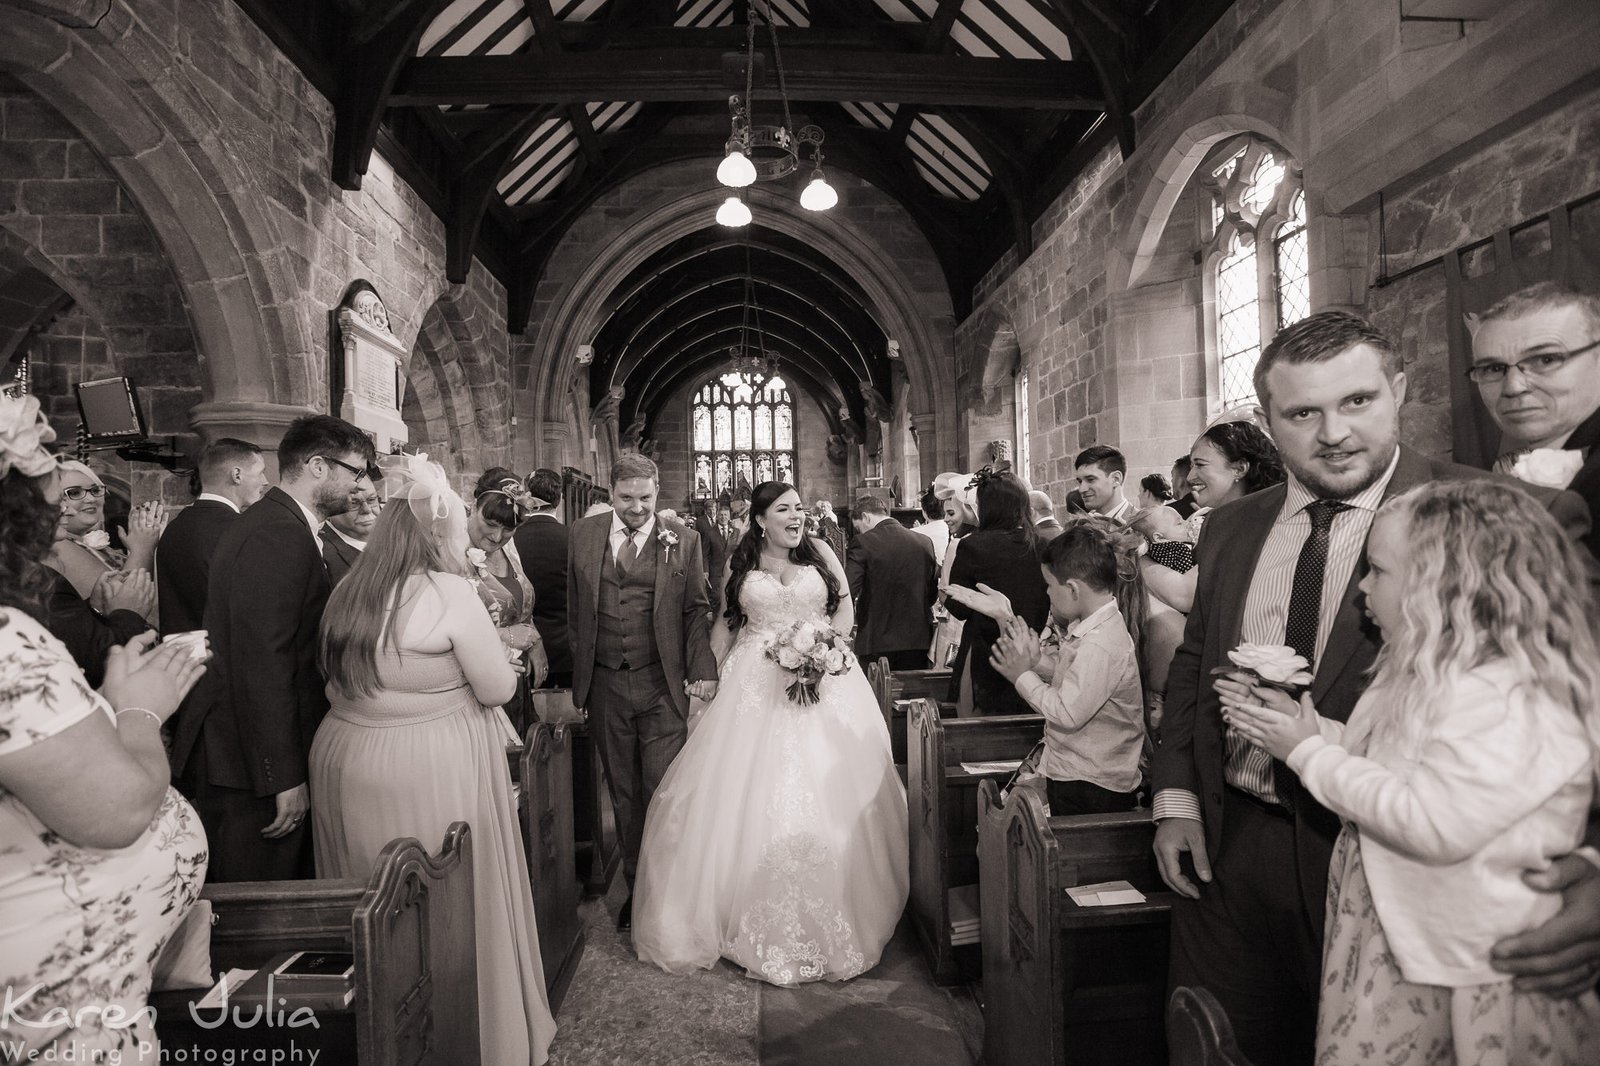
x=102 y=858
x=90 y=631
x=932 y=525
x=1230 y=460
x=714 y=530
x=411 y=742
x=1183 y=502
x=739 y=508
x=1093 y=705
x=1278 y=567
x=1004 y=555
x=1469 y=760
x=1154 y=491
x=344 y=536
x=828 y=527
x=1042 y=512
x=82 y=551
x=541 y=543
x=1169 y=537
x=496 y=569
x=233 y=476
x=1100 y=471
x=893 y=580
x=1536 y=363
x=959 y=502
x=240 y=745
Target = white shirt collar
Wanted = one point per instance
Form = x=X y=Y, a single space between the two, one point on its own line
x=358 y=545
x=1093 y=620
x=312 y=518
x=1298 y=497
x=1117 y=513
x=620 y=530
x=214 y=498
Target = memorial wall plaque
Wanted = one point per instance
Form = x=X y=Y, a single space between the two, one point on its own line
x=372 y=369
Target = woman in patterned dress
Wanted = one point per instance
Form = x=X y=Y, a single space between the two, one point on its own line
x=100 y=858
x=1469 y=761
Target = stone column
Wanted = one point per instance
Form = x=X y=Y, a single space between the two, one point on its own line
x=262 y=424
x=925 y=427
x=553 y=437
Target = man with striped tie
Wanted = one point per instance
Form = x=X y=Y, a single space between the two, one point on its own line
x=1282 y=566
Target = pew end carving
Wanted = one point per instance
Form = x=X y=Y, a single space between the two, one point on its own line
x=545 y=812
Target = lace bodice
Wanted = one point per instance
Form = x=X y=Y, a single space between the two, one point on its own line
x=770 y=605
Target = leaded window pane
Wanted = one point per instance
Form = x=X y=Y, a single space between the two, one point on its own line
x=764 y=426
x=724 y=475
x=743 y=473
x=783 y=436
x=704 y=484
x=764 y=468
x=1263 y=186
x=702 y=428
x=786 y=467
x=742 y=436
x=724 y=424
x=743 y=433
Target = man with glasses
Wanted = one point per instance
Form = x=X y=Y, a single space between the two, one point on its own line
x=344 y=537
x=241 y=742
x=1536 y=363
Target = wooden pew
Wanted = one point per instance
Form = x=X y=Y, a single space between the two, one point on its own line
x=1200 y=1031
x=544 y=810
x=410 y=927
x=1063 y=983
x=943 y=804
x=598 y=848
x=892 y=687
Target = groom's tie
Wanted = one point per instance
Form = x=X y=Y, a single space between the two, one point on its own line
x=629 y=553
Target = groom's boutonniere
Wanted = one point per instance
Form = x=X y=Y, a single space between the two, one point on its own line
x=668 y=540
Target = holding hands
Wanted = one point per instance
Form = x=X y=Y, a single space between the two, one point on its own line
x=701 y=690
x=1017 y=651
x=1267 y=717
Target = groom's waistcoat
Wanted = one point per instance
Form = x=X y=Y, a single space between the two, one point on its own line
x=624 y=616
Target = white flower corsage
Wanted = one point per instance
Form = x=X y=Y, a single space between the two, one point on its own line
x=667 y=539
x=479 y=560
x=96 y=540
x=1552 y=468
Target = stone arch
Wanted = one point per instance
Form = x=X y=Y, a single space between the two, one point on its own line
x=904 y=309
x=456 y=391
x=167 y=144
x=1174 y=150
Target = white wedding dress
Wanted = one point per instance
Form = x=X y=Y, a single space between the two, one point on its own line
x=778 y=837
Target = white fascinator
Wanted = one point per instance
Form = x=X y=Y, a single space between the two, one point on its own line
x=422 y=485
x=24 y=432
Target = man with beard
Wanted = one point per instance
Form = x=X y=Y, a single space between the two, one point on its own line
x=1281 y=567
x=240 y=745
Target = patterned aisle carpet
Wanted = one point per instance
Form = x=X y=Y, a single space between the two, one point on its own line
x=621 y=1012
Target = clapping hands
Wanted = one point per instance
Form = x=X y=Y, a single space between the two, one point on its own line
x=1017 y=651
x=145 y=523
x=984 y=599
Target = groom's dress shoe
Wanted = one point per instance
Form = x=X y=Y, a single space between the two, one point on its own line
x=625 y=916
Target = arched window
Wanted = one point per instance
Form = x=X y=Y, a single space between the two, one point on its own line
x=743 y=434
x=1256 y=256
x=1024 y=444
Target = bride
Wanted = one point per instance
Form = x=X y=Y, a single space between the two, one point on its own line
x=778 y=837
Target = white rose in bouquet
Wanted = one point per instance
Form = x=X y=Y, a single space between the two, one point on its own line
x=789 y=657
x=1552 y=468
x=805 y=638
x=833 y=662
x=1276 y=664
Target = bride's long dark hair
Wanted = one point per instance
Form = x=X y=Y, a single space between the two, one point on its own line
x=747 y=555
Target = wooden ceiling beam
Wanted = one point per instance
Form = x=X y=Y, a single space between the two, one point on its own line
x=366 y=76
x=680 y=74
x=1110 y=53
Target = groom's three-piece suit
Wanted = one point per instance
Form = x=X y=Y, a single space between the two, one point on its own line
x=640 y=631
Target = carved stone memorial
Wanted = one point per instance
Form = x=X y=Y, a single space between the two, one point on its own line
x=371 y=376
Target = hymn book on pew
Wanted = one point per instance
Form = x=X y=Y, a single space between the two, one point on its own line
x=320 y=980
x=1105 y=894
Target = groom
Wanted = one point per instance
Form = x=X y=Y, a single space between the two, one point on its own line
x=638 y=621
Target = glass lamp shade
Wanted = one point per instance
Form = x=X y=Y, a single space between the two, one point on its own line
x=733 y=213
x=818 y=195
x=736 y=171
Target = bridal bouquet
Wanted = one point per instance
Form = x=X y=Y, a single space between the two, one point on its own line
x=1272 y=665
x=810 y=652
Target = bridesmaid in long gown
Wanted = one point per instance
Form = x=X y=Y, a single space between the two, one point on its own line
x=412 y=743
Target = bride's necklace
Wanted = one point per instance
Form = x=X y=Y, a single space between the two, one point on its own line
x=780 y=566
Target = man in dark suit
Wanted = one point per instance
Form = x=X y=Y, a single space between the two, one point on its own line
x=893 y=579
x=1281 y=566
x=1548 y=406
x=1043 y=512
x=542 y=545
x=344 y=536
x=233 y=475
x=715 y=543
x=90 y=632
x=240 y=748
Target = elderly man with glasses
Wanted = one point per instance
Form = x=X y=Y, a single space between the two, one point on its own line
x=1536 y=363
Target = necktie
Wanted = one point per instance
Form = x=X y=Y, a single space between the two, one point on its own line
x=629 y=553
x=1305 y=613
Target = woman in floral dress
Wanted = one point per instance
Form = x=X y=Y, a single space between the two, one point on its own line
x=100 y=858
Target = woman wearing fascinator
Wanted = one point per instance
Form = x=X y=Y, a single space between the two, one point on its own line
x=500 y=504
x=413 y=739
x=958 y=497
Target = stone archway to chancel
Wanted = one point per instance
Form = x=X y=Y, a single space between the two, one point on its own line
x=169 y=147
x=918 y=317
x=456 y=404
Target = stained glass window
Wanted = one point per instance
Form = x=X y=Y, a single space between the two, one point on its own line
x=753 y=440
x=1024 y=452
x=1258 y=256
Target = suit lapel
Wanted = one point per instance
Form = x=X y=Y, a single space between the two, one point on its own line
x=1242 y=556
x=1349 y=630
x=594 y=551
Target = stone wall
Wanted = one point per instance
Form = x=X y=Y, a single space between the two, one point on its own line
x=1464 y=127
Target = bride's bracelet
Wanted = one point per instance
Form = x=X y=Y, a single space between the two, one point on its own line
x=154 y=717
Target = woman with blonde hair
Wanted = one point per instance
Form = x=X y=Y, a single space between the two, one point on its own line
x=412 y=740
x=1469 y=761
x=82 y=551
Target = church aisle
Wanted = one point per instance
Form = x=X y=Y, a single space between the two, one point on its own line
x=620 y=1012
